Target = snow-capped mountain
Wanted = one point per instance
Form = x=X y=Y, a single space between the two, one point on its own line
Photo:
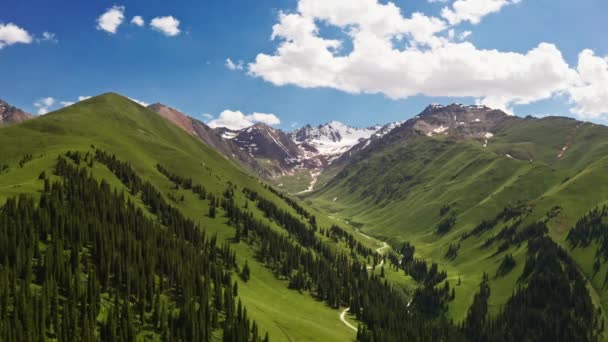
x=307 y=148
x=308 y=152
x=263 y=142
x=213 y=138
x=331 y=139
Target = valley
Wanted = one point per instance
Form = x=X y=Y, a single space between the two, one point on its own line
x=418 y=228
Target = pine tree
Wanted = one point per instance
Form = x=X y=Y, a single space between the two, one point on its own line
x=245 y=272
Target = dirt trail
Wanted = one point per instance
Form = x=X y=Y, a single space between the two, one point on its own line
x=379 y=251
x=343 y=319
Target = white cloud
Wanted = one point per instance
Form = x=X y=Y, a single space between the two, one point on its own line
x=473 y=10
x=375 y=65
x=237 y=120
x=589 y=94
x=402 y=57
x=268 y=119
x=48 y=37
x=357 y=17
x=12 y=34
x=48 y=102
x=234 y=66
x=141 y=103
x=138 y=21
x=44 y=105
x=111 y=19
x=464 y=35
x=207 y=116
x=169 y=25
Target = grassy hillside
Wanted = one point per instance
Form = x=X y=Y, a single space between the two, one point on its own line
x=144 y=139
x=297 y=266
x=550 y=167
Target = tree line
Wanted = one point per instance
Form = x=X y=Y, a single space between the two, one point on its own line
x=85 y=263
x=311 y=265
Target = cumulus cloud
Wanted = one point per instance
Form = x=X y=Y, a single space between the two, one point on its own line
x=473 y=10
x=432 y=64
x=169 y=26
x=401 y=56
x=234 y=66
x=12 y=34
x=237 y=120
x=141 y=103
x=69 y=103
x=138 y=21
x=464 y=35
x=44 y=105
x=590 y=92
x=111 y=19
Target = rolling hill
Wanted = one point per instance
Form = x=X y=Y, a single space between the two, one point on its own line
x=132 y=133
x=10 y=115
x=119 y=222
x=442 y=180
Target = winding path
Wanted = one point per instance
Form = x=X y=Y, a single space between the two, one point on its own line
x=343 y=319
x=379 y=251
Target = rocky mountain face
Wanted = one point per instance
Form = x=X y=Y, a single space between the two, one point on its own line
x=308 y=149
x=460 y=121
x=273 y=146
x=454 y=121
x=210 y=137
x=10 y=115
x=329 y=141
x=311 y=152
x=180 y=119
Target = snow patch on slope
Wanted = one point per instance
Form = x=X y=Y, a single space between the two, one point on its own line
x=333 y=138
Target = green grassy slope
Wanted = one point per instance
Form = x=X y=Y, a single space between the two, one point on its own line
x=135 y=134
x=395 y=193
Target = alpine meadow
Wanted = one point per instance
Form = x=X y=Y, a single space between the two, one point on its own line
x=361 y=170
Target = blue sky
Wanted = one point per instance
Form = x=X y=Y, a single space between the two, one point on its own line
x=188 y=70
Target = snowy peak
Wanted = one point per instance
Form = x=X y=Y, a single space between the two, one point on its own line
x=384 y=130
x=331 y=138
x=313 y=148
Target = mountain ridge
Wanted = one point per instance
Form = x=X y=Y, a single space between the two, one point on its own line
x=12 y=115
x=481 y=209
x=209 y=136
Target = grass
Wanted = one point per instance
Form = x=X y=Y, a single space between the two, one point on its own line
x=395 y=191
x=392 y=193
x=118 y=125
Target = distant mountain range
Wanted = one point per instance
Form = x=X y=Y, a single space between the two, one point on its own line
x=10 y=115
x=273 y=153
x=462 y=223
x=307 y=158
